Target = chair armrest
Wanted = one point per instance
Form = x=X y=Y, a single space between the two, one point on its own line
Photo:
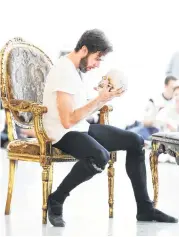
x=37 y=110
x=104 y=114
x=106 y=109
x=24 y=106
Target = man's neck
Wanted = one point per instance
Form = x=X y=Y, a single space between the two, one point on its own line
x=75 y=58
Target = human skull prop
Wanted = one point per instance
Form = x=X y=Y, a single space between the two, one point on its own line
x=115 y=79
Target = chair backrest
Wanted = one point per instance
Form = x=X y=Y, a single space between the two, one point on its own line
x=23 y=72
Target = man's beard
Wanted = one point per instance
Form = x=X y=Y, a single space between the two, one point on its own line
x=83 y=64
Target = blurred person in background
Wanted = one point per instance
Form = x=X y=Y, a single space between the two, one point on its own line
x=167 y=120
x=147 y=127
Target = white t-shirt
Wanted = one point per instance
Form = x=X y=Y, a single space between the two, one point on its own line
x=153 y=107
x=63 y=76
x=168 y=116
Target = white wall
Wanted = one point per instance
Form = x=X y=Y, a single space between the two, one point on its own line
x=144 y=34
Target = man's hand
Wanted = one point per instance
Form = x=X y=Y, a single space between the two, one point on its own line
x=105 y=94
x=148 y=123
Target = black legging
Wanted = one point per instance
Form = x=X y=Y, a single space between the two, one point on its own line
x=92 y=150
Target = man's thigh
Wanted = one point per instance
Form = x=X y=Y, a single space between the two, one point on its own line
x=113 y=138
x=80 y=145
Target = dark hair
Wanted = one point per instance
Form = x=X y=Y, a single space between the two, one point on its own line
x=169 y=78
x=95 y=41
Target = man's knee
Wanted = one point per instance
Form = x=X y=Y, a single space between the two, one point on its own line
x=102 y=157
x=137 y=148
x=141 y=140
x=137 y=140
x=98 y=161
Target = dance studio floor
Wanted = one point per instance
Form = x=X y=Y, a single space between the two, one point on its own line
x=86 y=210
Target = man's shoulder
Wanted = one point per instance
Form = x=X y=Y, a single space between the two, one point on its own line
x=62 y=68
x=159 y=98
x=64 y=62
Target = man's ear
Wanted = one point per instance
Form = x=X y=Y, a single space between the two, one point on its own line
x=84 y=51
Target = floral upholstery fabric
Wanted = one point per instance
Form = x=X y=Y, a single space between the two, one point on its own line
x=30 y=146
x=27 y=68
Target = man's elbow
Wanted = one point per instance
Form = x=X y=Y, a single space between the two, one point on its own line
x=67 y=124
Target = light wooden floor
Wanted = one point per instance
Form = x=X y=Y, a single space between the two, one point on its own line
x=86 y=210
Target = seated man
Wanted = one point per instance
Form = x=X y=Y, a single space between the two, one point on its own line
x=148 y=126
x=65 y=123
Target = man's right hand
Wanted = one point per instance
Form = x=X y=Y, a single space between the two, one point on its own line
x=105 y=94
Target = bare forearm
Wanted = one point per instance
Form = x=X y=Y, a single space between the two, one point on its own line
x=70 y=116
x=86 y=110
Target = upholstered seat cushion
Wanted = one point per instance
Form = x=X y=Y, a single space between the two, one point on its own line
x=30 y=146
x=168 y=136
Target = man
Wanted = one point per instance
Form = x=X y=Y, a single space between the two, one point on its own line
x=65 y=124
x=167 y=120
x=148 y=126
x=168 y=117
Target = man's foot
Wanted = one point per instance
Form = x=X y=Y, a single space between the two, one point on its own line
x=156 y=215
x=55 y=212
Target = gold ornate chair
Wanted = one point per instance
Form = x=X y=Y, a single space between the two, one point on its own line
x=23 y=69
x=162 y=143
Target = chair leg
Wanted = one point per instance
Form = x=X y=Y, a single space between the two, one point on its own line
x=154 y=171
x=12 y=166
x=111 y=187
x=45 y=184
x=50 y=183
